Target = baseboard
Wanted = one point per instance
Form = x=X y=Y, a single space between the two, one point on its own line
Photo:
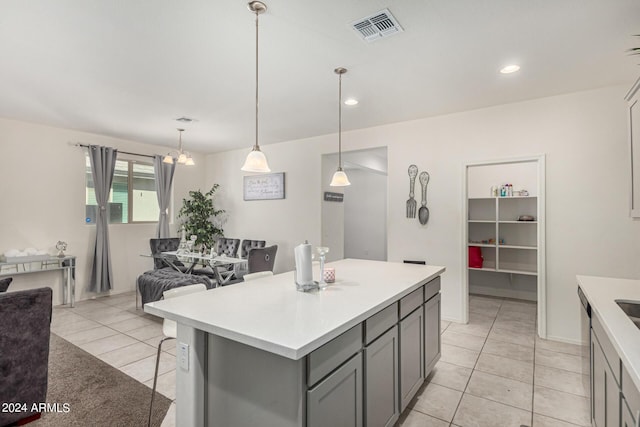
x=564 y=340
x=503 y=293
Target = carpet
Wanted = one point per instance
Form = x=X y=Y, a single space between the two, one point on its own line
x=97 y=394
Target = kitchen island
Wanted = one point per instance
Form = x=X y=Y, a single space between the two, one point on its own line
x=262 y=353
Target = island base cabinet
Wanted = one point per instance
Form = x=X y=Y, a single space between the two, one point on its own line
x=381 y=380
x=337 y=400
x=411 y=356
x=606 y=392
x=627 y=417
x=432 y=344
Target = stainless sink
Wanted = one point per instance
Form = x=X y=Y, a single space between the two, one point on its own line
x=631 y=309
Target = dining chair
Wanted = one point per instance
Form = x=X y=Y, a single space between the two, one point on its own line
x=166 y=244
x=247 y=245
x=258 y=274
x=227 y=247
x=170 y=330
x=262 y=259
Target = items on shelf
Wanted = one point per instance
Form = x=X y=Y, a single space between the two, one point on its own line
x=475 y=257
x=491 y=241
x=506 y=190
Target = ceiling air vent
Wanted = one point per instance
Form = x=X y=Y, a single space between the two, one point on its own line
x=379 y=25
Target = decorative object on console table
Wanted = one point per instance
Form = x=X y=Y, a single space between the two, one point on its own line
x=264 y=187
x=61 y=247
x=198 y=215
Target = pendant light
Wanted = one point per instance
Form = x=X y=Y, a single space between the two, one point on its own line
x=181 y=157
x=256 y=160
x=340 y=178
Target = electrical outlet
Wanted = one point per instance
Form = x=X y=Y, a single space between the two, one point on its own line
x=183 y=356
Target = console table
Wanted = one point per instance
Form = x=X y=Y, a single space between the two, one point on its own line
x=66 y=264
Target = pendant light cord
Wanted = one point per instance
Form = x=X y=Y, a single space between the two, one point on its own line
x=256 y=146
x=340 y=121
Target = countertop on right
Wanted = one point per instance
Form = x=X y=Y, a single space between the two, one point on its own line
x=602 y=293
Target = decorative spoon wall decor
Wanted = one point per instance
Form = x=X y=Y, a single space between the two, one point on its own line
x=423 y=213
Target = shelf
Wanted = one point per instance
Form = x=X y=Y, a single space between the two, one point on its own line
x=527 y=273
x=493 y=270
x=517 y=222
x=482 y=221
x=483 y=269
x=503 y=198
x=517 y=247
x=482 y=245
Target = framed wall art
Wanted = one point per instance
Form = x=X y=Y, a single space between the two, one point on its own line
x=264 y=187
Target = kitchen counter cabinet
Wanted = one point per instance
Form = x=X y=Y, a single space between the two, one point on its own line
x=262 y=353
x=615 y=351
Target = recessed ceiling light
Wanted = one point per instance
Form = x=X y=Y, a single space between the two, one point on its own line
x=510 y=69
x=350 y=101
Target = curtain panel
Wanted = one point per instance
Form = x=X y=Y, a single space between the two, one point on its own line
x=103 y=163
x=164 y=179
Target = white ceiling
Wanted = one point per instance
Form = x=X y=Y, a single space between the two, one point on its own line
x=129 y=68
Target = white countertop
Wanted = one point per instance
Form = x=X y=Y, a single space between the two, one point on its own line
x=270 y=314
x=602 y=293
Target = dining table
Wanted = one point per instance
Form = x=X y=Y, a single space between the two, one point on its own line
x=193 y=259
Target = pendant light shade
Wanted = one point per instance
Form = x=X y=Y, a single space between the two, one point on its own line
x=256 y=160
x=340 y=178
x=181 y=157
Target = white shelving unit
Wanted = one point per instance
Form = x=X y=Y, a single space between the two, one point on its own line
x=518 y=252
x=513 y=251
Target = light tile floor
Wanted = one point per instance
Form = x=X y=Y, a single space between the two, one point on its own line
x=113 y=330
x=494 y=371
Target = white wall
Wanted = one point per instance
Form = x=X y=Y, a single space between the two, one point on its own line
x=365 y=215
x=43 y=195
x=588 y=228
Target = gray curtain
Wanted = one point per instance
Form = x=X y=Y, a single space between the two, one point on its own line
x=103 y=163
x=164 y=178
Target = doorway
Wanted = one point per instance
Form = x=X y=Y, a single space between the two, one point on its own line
x=504 y=232
x=354 y=218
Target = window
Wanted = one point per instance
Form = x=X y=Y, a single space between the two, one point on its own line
x=132 y=197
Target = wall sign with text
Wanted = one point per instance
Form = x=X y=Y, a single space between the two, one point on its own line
x=264 y=187
x=333 y=197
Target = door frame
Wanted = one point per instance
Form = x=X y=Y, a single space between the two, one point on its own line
x=541 y=256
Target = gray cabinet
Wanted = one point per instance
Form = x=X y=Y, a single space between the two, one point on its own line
x=411 y=356
x=598 y=381
x=627 y=418
x=606 y=391
x=630 y=405
x=432 y=345
x=381 y=380
x=337 y=400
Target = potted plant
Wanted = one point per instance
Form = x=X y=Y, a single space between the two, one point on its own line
x=200 y=217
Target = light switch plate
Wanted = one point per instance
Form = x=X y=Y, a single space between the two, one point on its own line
x=183 y=356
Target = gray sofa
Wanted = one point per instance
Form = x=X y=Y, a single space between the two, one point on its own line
x=25 y=319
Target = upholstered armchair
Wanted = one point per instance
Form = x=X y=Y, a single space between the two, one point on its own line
x=4 y=283
x=25 y=319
